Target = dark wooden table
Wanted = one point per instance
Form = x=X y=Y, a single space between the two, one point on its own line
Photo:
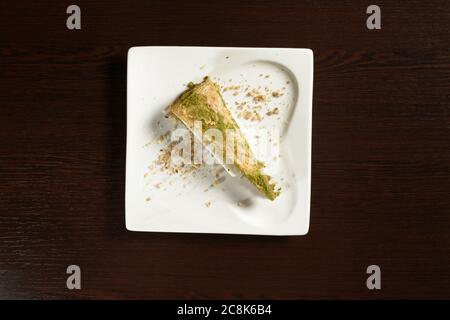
x=380 y=163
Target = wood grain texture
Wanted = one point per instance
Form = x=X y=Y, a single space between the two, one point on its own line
x=380 y=171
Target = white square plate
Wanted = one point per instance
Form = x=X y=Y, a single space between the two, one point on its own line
x=158 y=202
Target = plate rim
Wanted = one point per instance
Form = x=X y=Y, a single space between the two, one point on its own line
x=309 y=55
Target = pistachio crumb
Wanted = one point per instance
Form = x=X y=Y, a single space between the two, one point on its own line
x=273 y=111
x=277 y=94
